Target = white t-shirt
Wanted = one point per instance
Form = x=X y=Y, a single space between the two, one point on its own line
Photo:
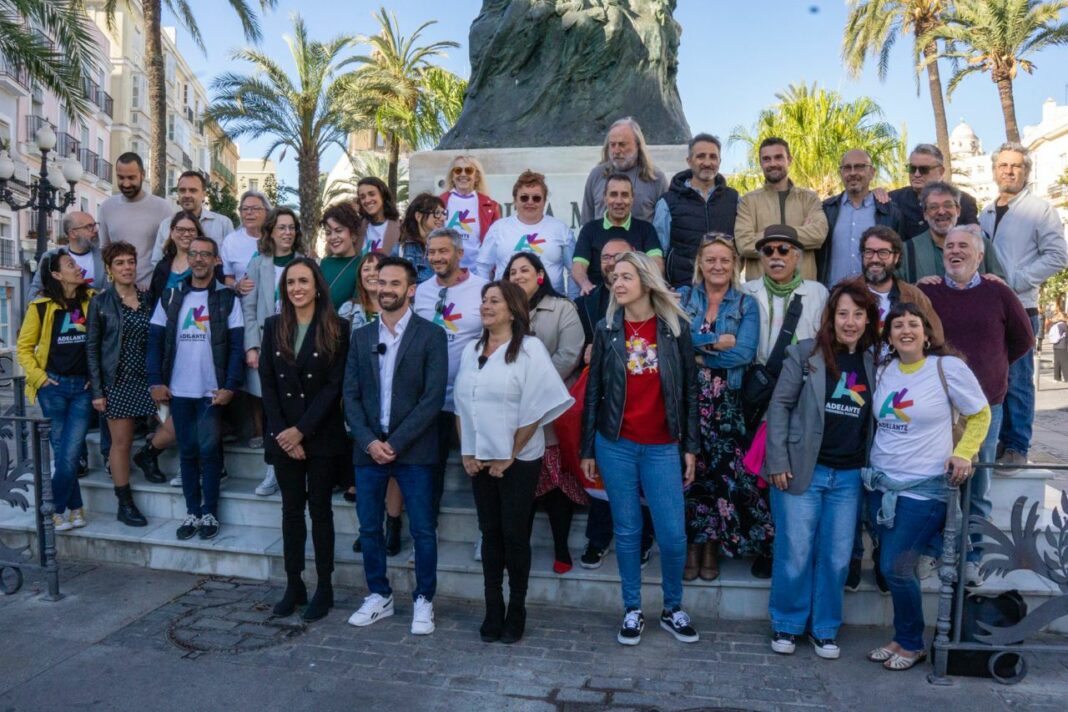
x=88 y=268
x=550 y=239
x=237 y=249
x=376 y=235
x=194 y=368
x=883 y=300
x=494 y=401
x=914 y=427
x=459 y=318
x=463 y=217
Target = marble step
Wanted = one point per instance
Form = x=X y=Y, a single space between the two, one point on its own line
x=256 y=553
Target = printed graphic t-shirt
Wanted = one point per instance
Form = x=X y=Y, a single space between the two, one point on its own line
x=846 y=412
x=194 y=368
x=88 y=267
x=550 y=239
x=66 y=353
x=644 y=415
x=463 y=217
x=376 y=236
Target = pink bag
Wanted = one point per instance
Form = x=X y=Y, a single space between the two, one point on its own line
x=754 y=457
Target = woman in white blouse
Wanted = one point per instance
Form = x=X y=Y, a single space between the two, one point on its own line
x=505 y=391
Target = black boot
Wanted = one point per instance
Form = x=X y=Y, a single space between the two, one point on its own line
x=128 y=513
x=323 y=600
x=147 y=458
x=296 y=594
x=515 y=622
x=393 y=535
x=494 y=623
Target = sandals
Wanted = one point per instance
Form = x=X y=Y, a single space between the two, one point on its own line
x=899 y=663
x=881 y=655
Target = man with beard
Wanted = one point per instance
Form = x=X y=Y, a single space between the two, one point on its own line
x=697 y=202
x=922 y=257
x=624 y=152
x=926 y=165
x=192 y=189
x=1028 y=237
x=393 y=419
x=133 y=216
x=779 y=202
x=849 y=214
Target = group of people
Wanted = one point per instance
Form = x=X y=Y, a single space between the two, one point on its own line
x=753 y=376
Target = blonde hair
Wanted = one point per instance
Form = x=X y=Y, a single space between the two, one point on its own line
x=715 y=238
x=665 y=304
x=480 y=174
x=646 y=169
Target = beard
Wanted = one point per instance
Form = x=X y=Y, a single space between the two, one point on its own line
x=877 y=274
x=625 y=163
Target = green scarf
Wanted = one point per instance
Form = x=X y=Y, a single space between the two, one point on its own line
x=775 y=289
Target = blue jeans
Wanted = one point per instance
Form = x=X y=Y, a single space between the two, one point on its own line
x=916 y=520
x=417 y=485
x=69 y=406
x=813 y=543
x=1019 y=416
x=656 y=471
x=198 y=427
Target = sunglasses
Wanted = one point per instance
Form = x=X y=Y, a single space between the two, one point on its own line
x=463 y=170
x=709 y=237
x=440 y=306
x=783 y=250
x=530 y=199
x=922 y=170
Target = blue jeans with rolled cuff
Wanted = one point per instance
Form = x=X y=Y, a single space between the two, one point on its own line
x=198 y=428
x=68 y=405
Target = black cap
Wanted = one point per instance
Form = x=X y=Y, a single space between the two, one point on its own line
x=780 y=233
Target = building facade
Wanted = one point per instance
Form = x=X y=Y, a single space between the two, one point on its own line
x=252 y=174
x=1047 y=142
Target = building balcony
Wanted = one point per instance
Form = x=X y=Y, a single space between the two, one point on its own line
x=19 y=77
x=189 y=114
x=65 y=143
x=223 y=172
x=103 y=170
x=106 y=103
x=9 y=254
x=187 y=162
x=90 y=88
x=89 y=160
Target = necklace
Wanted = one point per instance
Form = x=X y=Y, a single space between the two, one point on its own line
x=636 y=329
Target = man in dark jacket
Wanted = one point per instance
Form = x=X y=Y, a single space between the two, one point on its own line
x=926 y=164
x=697 y=201
x=849 y=214
x=394 y=389
x=198 y=325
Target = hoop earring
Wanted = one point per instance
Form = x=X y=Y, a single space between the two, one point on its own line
x=926 y=344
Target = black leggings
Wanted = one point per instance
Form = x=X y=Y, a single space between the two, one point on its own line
x=504 y=505
x=560 y=511
x=308 y=482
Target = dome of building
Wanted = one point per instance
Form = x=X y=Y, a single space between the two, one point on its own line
x=962 y=140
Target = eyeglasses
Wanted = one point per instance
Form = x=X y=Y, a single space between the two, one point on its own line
x=463 y=170
x=922 y=170
x=87 y=226
x=440 y=306
x=947 y=205
x=783 y=250
x=883 y=254
x=530 y=199
x=206 y=254
x=185 y=231
x=252 y=209
x=438 y=213
x=610 y=257
x=854 y=167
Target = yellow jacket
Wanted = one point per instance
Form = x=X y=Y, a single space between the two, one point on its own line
x=35 y=340
x=760 y=208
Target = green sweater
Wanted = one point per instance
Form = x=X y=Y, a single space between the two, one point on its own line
x=340 y=274
x=923 y=258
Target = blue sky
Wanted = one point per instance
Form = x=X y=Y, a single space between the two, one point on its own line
x=734 y=57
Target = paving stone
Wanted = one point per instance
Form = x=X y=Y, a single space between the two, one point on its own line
x=473 y=683
x=586 y=696
x=611 y=683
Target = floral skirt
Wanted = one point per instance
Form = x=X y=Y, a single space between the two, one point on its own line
x=724 y=503
x=554 y=476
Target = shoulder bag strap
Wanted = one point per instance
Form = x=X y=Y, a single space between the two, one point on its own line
x=786 y=335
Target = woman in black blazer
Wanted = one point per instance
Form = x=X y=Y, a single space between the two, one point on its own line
x=302 y=369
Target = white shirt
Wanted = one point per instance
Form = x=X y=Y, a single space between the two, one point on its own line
x=237 y=250
x=459 y=317
x=193 y=375
x=376 y=235
x=88 y=267
x=550 y=239
x=215 y=226
x=495 y=401
x=463 y=217
x=387 y=362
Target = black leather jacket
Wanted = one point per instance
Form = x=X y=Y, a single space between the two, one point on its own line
x=104 y=340
x=606 y=387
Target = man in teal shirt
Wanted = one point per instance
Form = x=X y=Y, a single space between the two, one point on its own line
x=923 y=253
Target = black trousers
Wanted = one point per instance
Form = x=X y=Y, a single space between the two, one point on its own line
x=1060 y=364
x=504 y=505
x=447 y=439
x=308 y=482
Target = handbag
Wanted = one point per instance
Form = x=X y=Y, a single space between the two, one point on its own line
x=758 y=383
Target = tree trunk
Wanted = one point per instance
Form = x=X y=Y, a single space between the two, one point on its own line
x=157 y=97
x=310 y=199
x=1008 y=108
x=394 y=163
x=934 y=85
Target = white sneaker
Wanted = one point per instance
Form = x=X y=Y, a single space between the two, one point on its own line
x=972 y=576
x=374 y=609
x=77 y=518
x=926 y=567
x=478 y=549
x=423 y=617
x=60 y=524
x=176 y=481
x=269 y=485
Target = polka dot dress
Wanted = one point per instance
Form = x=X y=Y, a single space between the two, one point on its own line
x=128 y=397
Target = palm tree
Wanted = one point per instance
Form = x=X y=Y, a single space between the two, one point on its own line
x=305 y=116
x=998 y=36
x=367 y=164
x=872 y=28
x=152 y=10
x=407 y=99
x=57 y=66
x=820 y=126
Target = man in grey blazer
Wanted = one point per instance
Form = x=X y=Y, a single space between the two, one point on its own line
x=394 y=388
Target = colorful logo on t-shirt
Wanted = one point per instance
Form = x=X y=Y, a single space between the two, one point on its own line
x=88 y=280
x=463 y=220
x=641 y=356
x=895 y=405
x=530 y=243
x=447 y=319
x=196 y=318
x=74 y=321
x=849 y=388
x=372 y=245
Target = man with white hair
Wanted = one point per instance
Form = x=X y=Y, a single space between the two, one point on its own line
x=624 y=152
x=983 y=320
x=922 y=256
x=1029 y=240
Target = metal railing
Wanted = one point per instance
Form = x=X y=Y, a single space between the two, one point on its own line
x=106 y=103
x=187 y=162
x=89 y=160
x=20 y=74
x=103 y=170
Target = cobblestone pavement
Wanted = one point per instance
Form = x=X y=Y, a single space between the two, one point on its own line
x=130 y=638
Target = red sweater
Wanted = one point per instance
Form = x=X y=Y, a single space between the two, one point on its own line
x=988 y=325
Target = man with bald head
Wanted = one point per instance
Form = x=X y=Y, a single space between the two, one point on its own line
x=81 y=232
x=849 y=214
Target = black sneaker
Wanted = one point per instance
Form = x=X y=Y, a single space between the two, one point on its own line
x=826 y=648
x=678 y=624
x=783 y=643
x=646 y=555
x=880 y=580
x=189 y=527
x=853 y=579
x=761 y=568
x=209 y=527
x=630 y=633
x=83 y=466
x=593 y=557
x=223 y=476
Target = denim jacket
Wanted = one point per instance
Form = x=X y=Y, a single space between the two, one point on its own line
x=416 y=254
x=739 y=315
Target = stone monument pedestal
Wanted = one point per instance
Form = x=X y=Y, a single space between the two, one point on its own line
x=565 y=169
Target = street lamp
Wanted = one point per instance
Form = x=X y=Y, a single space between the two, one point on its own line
x=47 y=194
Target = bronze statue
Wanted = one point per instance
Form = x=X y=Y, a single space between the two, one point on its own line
x=559 y=72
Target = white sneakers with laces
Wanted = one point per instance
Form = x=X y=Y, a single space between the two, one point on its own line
x=269 y=485
x=375 y=607
x=423 y=617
